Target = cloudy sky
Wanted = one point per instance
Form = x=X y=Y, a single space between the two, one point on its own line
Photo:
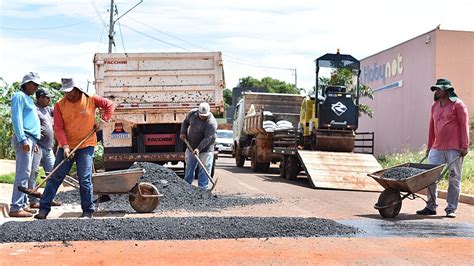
x=257 y=38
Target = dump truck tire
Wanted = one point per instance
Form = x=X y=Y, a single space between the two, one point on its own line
x=253 y=160
x=239 y=159
x=284 y=158
x=292 y=168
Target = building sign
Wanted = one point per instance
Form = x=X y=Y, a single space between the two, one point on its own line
x=376 y=72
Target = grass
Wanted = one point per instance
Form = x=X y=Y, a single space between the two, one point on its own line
x=467 y=181
x=10 y=178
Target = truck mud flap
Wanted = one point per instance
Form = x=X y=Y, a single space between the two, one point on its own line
x=340 y=170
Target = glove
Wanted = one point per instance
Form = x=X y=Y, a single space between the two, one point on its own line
x=464 y=152
x=99 y=125
x=182 y=136
x=67 y=152
x=196 y=151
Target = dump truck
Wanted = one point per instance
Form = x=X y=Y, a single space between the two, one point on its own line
x=153 y=93
x=324 y=142
x=257 y=116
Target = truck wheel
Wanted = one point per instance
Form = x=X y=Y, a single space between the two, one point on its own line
x=239 y=159
x=292 y=168
x=264 y=167
x=283 y=166
x=253 y=160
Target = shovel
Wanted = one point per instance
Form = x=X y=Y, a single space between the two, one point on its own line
x=34 y=191
x=201 y=164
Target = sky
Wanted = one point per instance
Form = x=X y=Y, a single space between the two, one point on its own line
x=258 y=38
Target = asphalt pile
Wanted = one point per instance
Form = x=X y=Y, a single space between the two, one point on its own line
x=170 y=228
x=177 y=194
x=401 y=173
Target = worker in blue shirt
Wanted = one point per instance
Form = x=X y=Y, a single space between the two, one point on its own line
x=27 y=131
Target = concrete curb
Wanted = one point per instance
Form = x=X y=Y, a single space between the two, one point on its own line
x=463 y=198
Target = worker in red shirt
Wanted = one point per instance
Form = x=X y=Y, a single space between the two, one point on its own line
x=448 y=139
x=74 y=119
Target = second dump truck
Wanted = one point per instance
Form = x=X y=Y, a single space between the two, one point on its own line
x=257 y=116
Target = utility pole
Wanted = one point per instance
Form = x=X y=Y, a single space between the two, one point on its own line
x=111 y=26
x=296 y=77
x=112 y=22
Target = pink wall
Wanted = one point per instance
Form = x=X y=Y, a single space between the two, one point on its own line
x=455 y=61
x=401 y=113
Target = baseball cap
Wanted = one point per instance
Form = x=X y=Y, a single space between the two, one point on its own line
x=44 y=92
x=68 y=84
x=31 y=76
x=204 y=109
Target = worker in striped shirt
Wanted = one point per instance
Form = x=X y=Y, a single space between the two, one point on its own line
x=74 y=119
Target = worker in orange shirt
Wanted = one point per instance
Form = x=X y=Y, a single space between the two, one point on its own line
x=74 y=118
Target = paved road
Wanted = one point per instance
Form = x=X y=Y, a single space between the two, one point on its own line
x=409 y=239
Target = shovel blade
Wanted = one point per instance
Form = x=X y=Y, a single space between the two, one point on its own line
x=31 y=192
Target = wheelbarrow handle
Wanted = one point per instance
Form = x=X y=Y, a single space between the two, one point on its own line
x=446 y=169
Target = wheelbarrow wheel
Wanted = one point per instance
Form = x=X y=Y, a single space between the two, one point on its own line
x=389 y=203
x=144 y=204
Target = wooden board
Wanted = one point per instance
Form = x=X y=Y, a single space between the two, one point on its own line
x=340 y=170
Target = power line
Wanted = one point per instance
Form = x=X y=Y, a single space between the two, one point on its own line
x=236 y=60
x=47 y=28
x=156 y=39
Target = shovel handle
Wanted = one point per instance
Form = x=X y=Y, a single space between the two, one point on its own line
x=199 y=162
x=64 y=160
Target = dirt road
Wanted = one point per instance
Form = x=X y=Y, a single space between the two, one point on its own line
x=409 y=239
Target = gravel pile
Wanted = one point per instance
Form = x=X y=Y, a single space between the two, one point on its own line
x=401 y=173
x=167 y=228
x=177 y=194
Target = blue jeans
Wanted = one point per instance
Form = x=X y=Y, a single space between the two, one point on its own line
x=207 y=159
x=45 y=158
x=23 y=171
x=455 y=171
x=84 y=160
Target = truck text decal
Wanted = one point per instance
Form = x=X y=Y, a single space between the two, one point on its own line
x=116 y=62
x=160 y=139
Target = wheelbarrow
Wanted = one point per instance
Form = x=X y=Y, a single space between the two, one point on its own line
x=143 y=196
x=390 y=200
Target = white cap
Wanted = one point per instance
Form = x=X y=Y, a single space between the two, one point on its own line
x=204 y=109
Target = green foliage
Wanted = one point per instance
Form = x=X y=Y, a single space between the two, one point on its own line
x=270 y=84
x=227 y=97
x=6 y=128
x=345 y=77
x=10 y=178
x=467 y=186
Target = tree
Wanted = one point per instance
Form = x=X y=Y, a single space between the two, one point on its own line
x=345 y=77
x=270 y=84
x=6 y=127
x=227 y=97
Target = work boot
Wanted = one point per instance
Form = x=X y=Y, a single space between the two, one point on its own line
x=28 y=209
x=41 y=215
x=20 y=214
x=35 y=205
x=450 y=214
x=56 y=203
x=426 y=211
x=86 y=215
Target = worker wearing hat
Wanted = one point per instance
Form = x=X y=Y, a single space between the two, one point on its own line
x=448 y=139
x=45 y=155
x=74 y=119
x=199 y=128
x=27 y=132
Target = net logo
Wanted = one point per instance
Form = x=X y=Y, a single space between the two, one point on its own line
x=382 y=72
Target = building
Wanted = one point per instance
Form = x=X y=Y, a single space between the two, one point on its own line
x=401 y=77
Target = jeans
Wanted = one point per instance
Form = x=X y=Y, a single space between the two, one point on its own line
x=207 y=159
x=45 y=158
x=455 y=172
x=24 y=162
x=84 y=160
